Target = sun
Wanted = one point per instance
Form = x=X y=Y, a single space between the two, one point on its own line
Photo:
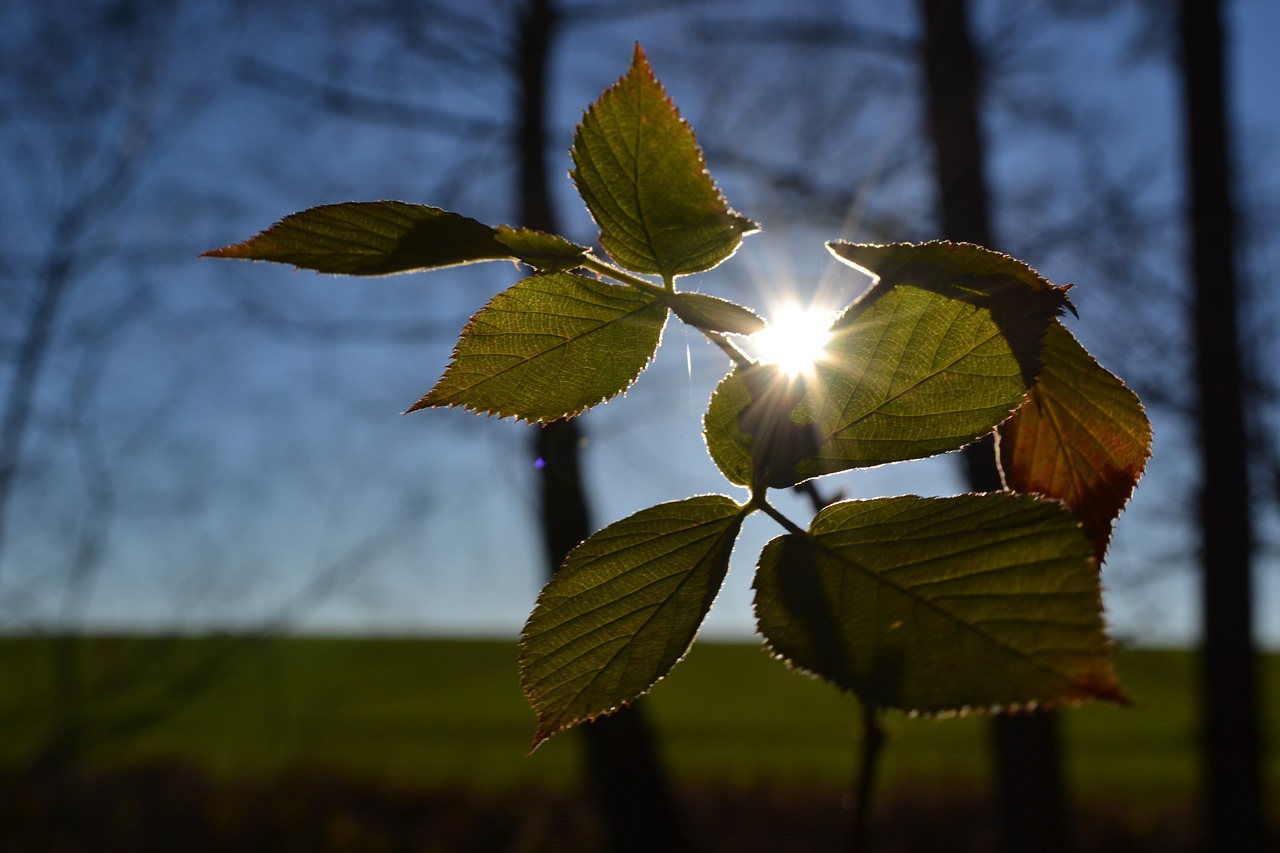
x=794 y=339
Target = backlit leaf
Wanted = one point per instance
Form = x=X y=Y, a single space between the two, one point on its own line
x=550 y=347
x=941 y=604
x=933 y=356
x=1011 y=289
x=728 y=445
x=544 y=252
x=1082 y=437
x=640 y=171
x=624 y=609
x=715 y=314
x=384 y=237
x=753 y=427
x=910 y=373
x=371 y=238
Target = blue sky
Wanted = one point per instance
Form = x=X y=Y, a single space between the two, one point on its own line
x=249 y=420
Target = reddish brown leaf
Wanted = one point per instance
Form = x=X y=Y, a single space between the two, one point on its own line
x=1082 y=437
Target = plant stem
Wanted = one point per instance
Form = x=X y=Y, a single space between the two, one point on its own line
x=667 y=295
x=729 y=348
x=777 y=516
x=873 y=734
x=610 y=271
x=819 y=501
x=873 y=739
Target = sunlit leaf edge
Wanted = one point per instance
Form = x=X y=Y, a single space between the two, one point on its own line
x=730 y=445
x=543 y=251
x=1063 y=353
x=645 y=253
x=371 y=238
x=879 y=261
x=713 y=314
x=730 y=517
x=440 y=396
x=1104 y=688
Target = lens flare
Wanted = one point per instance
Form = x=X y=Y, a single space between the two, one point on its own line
x=794 y=340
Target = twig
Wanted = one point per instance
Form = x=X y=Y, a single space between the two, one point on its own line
x=873 y=739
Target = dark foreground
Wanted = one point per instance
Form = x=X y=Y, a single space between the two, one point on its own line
x=169 y=808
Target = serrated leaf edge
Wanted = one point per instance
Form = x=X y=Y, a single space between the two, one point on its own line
x=543 y=735
x=1146 y=439
x=1090 y=692
x=640 y=64
x=425 y=401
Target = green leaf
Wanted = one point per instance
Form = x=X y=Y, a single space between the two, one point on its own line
x=941 y=604
x=728 y=445
x=384 y=237
x=624 y=609
x=640 y=171
x=910 y=373
x=715 y=314
x=936 y=354
x=371 y=238
x=1011 y=289
x=544 y=252
x=754 y=427
x=550 y=347
x=1082 y=437
x=778 y=438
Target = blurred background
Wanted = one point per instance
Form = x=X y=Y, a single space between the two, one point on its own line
x=225 y=558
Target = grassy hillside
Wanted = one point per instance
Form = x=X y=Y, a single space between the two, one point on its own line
x=450 y=713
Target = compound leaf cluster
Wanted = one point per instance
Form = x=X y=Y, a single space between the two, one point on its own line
x=931 y=605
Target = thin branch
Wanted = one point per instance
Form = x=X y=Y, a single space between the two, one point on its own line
x=362 y=107
x=610 y=11
x=99 y=486
x=816 y=34
x=873 y=741
x=348 y=330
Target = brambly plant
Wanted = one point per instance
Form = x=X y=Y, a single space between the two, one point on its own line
x=932 y=605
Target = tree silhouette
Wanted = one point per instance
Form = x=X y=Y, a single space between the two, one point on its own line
x=1031 y=796
x=624 y=773
x=1231 y=741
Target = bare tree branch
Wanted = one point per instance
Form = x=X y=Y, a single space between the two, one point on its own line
x=816 y=34
x=334 y=99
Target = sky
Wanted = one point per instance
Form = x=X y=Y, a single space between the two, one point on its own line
x=219 y=445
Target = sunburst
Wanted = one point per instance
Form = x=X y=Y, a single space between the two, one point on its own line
x=794 y=340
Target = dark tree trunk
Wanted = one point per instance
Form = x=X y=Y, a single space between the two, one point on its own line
x=1231 y=743
x=623 y=770
x=1031 y=799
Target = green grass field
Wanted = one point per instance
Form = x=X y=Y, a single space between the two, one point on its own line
x=433 y=713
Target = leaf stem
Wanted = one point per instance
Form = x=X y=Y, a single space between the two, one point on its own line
x=873 y=740
x=729 y=348
x=816 y=497
x=667 y=296
x=772 y=511
x=596 y=265
x=873 y=733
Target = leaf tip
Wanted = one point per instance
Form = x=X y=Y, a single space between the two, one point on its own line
x=638 y=57
x=844 y=252
x=539 y=738
x=424 y=402
x=236 y=250
x=552 y=725
x=1062 y=291
x=1103 y=686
